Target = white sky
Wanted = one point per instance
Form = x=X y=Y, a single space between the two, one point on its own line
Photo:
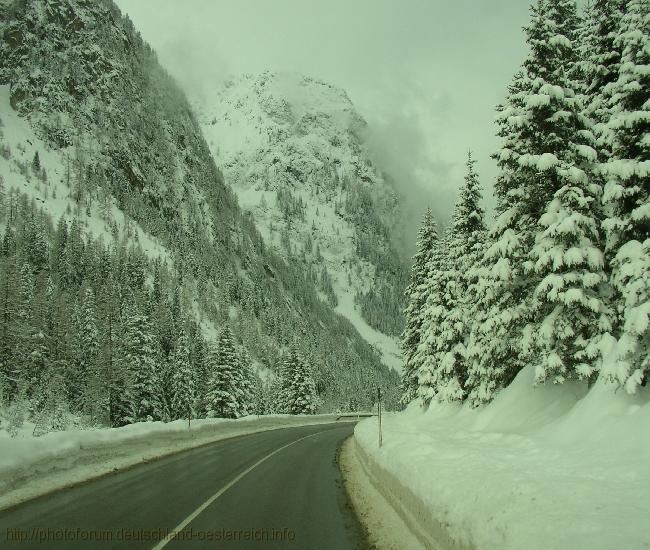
x=426 y=74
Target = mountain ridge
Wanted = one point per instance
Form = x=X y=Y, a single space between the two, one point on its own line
x=292 y=149
x=128 y=151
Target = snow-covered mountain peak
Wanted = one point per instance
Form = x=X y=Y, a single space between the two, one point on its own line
x=293 y=100
x=284 y=116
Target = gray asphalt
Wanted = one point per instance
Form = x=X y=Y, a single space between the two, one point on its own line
x=292 y=500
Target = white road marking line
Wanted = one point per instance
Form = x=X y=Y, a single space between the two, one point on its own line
x=170 y=536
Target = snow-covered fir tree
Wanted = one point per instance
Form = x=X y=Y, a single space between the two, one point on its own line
x=303 y=398
x=259 y=397
x=502 y=285
x=183 y=392
x=198 y=352
x=225 y=395
x=416 y=294
x=25 y=368
x=567 y=315
x=139 y=358
x=85 y=349
x=465 y=241
x=429 y=350
x=53 y=412
x=627 y=197
x=251 y=385
x=598 y=64
x=447 y=313
x=540 y=128
x=297 y=388
x=274 y=394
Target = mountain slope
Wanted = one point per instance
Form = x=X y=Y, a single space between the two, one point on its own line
x=127 y=157
x=292 y=149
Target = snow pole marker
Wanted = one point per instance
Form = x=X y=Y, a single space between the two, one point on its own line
x=379 y=413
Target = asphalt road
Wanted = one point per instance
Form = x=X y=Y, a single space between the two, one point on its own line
x=279 y=489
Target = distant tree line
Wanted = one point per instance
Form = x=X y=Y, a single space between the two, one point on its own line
x=104 y=334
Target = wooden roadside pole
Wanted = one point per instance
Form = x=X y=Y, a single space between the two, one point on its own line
x=379 y=412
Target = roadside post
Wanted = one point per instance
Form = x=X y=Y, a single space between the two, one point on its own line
x=379 y=412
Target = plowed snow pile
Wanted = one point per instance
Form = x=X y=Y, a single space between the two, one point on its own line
x=562 y=467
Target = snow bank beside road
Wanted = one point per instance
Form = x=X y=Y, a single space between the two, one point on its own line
x=541 y=467
x=385 y=529
x=31 y=466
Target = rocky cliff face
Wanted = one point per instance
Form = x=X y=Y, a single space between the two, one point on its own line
x=292 y=149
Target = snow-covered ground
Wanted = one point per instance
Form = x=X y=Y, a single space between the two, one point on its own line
x=31 y=466
x=562 y=467
x=385 y=529
x=387 y=346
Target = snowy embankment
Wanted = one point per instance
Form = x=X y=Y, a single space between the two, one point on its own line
x=543 y=467
x=31 y=466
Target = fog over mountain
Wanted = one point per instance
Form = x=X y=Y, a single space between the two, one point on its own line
x=427 y=90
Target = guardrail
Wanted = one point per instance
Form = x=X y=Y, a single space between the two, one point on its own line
x=358 y=416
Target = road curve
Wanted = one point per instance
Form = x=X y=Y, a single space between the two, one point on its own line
x=276 y=489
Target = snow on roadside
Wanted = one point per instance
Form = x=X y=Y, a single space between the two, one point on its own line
x=384 y=527
x=558 y=467
x=31 y=466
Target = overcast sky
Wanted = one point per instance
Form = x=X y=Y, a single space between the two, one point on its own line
x=426 y=74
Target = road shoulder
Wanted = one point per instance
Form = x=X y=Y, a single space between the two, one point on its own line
x=385 y=529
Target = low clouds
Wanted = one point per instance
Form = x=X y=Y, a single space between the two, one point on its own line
x=402 y=145
x=425 y=74
x=197 y=69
